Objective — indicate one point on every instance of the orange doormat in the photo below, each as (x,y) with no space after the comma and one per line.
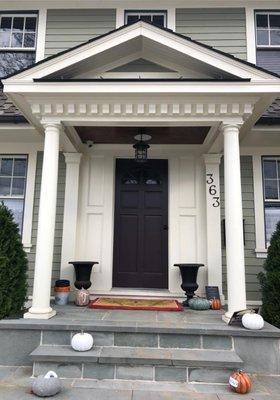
(111,303)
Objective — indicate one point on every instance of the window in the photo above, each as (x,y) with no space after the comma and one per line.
(268,29)
(17,42)
(12,184)
(271,184)
(268,40)
(155,17)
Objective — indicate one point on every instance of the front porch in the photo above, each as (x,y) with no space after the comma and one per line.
(184,353)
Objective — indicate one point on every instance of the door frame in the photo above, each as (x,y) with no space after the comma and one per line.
(102,175)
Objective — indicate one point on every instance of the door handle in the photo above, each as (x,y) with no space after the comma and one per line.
(165,227)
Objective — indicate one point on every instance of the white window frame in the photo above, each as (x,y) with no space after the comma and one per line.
(15,15)
(170,22)
(265,46)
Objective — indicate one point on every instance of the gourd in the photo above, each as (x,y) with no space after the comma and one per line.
(215,304)
(240,382)
(46,386)
(252,321)
(82,341)
(199,303)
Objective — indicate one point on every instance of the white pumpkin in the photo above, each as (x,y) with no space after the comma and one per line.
(82,341)
(252,321)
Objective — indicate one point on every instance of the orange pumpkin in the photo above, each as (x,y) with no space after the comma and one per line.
(216,304)
(240,382)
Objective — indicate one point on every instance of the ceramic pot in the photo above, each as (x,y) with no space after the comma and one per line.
(81,297)
(189,280)
(62,295)
(83,272)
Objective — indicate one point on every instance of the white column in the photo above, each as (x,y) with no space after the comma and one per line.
(213,217)
(70,214)
(46,227)
(234,222)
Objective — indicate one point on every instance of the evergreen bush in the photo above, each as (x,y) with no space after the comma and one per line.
(270,281)
(13,266)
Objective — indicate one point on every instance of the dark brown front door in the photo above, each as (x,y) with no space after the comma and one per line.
(141,231)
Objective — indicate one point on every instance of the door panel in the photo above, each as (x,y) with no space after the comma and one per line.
(141,217)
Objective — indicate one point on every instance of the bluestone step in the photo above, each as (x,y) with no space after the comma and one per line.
(138,356)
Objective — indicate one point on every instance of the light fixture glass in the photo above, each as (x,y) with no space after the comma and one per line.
(141,147)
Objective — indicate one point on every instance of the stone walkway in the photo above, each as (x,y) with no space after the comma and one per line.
(15,384)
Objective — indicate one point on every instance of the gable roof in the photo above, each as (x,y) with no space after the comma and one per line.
(146,24)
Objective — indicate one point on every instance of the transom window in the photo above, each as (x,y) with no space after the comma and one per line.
(271,183)
(18,31)
(156,17)
(13,171)
(268,29)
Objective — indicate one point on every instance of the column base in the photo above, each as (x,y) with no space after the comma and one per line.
(31,315)
(227,316)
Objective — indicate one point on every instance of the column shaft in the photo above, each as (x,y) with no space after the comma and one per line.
(234,222)
(46,227)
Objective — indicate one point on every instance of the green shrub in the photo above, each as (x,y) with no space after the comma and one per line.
(13,266)
(270,281)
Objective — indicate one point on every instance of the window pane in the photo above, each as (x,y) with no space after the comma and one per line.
(271,191)
(262,37)
(29,40)
(158,20)
(275,37)
(147,18)
(5,185)
(274,21)
(14,61)
(5,31)
(18,186)
(6,166)
(6,23)
(18,24)
(272,216)
(16,206)
(269,169)
(30,24)
(132,18)
(17,39)
(262,21)
(20,167)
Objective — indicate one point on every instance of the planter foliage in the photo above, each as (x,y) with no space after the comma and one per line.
(270,281)
(13,266)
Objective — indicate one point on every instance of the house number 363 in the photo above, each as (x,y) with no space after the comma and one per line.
(212,189)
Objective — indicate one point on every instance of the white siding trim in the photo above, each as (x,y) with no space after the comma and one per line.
(119,17)
(41,34)
(250,34)
(259,207)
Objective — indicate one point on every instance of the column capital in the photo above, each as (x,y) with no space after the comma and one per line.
(55,125)
(212,158)
(72,158)
(227,127)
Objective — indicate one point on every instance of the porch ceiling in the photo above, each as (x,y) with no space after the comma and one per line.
(160,135)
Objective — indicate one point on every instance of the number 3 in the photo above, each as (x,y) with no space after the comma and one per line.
(216,202)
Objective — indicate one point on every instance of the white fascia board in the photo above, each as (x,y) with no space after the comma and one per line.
(55,4)
(186,88)
(153,33)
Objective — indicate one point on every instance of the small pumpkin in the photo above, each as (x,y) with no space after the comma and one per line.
(216,304)
(199,303)
(82,341)
(252,321)
(240,382)
(46,386)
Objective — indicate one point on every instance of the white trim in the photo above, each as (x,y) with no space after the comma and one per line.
(251,34)
(170,17)
(259,206)
(119,17)
(24,16)
(41,34)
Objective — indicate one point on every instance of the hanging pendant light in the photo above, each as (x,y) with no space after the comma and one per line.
(141,147)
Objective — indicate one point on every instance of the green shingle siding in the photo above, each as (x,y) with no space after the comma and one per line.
(222,28)
(58,224)
(253,265)
(68,28)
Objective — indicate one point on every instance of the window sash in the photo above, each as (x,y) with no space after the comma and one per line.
(12,176)
(152,13)
(23,32)
(267,29)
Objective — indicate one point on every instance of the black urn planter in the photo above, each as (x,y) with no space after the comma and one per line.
(189,279)
(83,272)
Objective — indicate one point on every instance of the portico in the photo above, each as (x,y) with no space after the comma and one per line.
(224,96)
